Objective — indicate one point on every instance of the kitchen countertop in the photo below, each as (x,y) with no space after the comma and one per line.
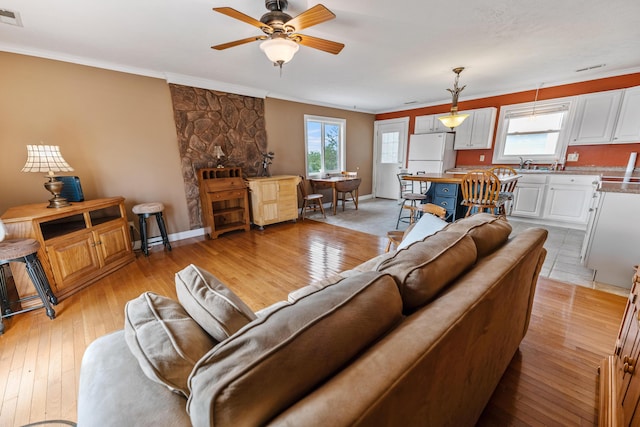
(611,177)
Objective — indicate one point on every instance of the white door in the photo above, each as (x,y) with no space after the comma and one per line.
(390,146)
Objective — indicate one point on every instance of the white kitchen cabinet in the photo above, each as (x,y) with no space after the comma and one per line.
(429,124)
(628,126)
(476,132)
(529,195)
(613,247)
(568,198)
(595,118)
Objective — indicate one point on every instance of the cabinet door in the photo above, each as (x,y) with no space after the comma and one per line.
(269,201)
(595,118)
(424,124)
(73,259)
(628,127)
(484,121)
(569,203)
(288,199)
(476,132)
(569,197)
(527,200)
(112,242)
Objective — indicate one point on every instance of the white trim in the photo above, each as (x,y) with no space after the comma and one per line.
(215,85)
(403,155)
(517,110)
(342,146)
(173,237)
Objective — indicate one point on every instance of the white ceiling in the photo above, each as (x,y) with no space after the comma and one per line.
(396,52)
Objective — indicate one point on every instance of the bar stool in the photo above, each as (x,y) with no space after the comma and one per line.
(144,211)
(24,250)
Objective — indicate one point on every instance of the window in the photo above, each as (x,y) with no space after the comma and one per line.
(537,131)
(325,145)
(389,147)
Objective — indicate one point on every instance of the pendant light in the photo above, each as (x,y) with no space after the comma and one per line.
(454,119)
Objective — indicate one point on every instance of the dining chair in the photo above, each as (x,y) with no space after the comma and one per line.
(407,195)
(507,189)
(481,192)
(350,188)
(309,201)
(395,236)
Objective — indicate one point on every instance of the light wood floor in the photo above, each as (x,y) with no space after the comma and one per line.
(552,380)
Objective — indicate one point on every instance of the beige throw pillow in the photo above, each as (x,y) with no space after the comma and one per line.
(215,307)
(425,267)
(278,359)
(163,338)
(488,232)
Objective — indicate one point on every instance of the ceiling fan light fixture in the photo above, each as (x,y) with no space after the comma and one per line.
(279,50)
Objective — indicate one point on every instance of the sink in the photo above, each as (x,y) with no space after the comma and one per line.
(539,170)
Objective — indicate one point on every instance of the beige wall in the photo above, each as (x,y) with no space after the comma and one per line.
(117,131)
(285,137)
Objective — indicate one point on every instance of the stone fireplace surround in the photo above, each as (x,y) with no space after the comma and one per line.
(206,118)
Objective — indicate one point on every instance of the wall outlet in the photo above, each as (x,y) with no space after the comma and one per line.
(572,157)
(482,157)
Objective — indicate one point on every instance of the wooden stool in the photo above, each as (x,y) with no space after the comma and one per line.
(24,250)
(145,210)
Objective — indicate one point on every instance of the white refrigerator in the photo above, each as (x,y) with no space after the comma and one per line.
(431,152)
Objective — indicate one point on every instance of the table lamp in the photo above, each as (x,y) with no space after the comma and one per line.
(47,158)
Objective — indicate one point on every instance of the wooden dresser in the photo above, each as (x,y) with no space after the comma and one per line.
(619,372)
(273,199)
(224,200)
(79,244)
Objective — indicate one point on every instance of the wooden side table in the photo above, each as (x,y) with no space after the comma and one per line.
(79,244)
(224,200)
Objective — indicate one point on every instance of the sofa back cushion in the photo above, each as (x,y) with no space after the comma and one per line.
(488,232)
(425,267)
(163,338)
(276,360)
(215,307)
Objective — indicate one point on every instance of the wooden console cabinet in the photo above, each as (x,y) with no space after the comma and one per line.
(79,244)
(224,200)
(619,381)
(273,199)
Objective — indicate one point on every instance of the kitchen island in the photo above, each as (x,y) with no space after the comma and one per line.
(612,239)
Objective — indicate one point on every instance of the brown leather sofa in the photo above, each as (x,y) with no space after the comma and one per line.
(418,337)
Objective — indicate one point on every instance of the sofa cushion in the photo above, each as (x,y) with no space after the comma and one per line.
(425,267)
(215,307)
(278,359)
(163,338)
(488,232)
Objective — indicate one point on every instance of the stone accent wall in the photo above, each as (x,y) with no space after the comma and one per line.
(206,118)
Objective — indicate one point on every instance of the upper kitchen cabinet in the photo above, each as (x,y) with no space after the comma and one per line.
(430,123)
(628,126)
(477,130)
(595,118)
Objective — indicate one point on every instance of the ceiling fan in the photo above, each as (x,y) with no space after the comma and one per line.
(281,39)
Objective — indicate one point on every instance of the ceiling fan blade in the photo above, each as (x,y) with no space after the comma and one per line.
(237,42)
(317,43)
(242,17)
(316,15)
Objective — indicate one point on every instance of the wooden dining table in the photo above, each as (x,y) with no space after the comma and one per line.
(337,184)
(443,184)
(452,178)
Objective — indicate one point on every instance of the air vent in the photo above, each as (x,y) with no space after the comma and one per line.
(10,17)
(593,67)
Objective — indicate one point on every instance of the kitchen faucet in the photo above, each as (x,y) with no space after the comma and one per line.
(525,164)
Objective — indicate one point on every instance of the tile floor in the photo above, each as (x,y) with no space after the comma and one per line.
(562,263)
(377,216)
